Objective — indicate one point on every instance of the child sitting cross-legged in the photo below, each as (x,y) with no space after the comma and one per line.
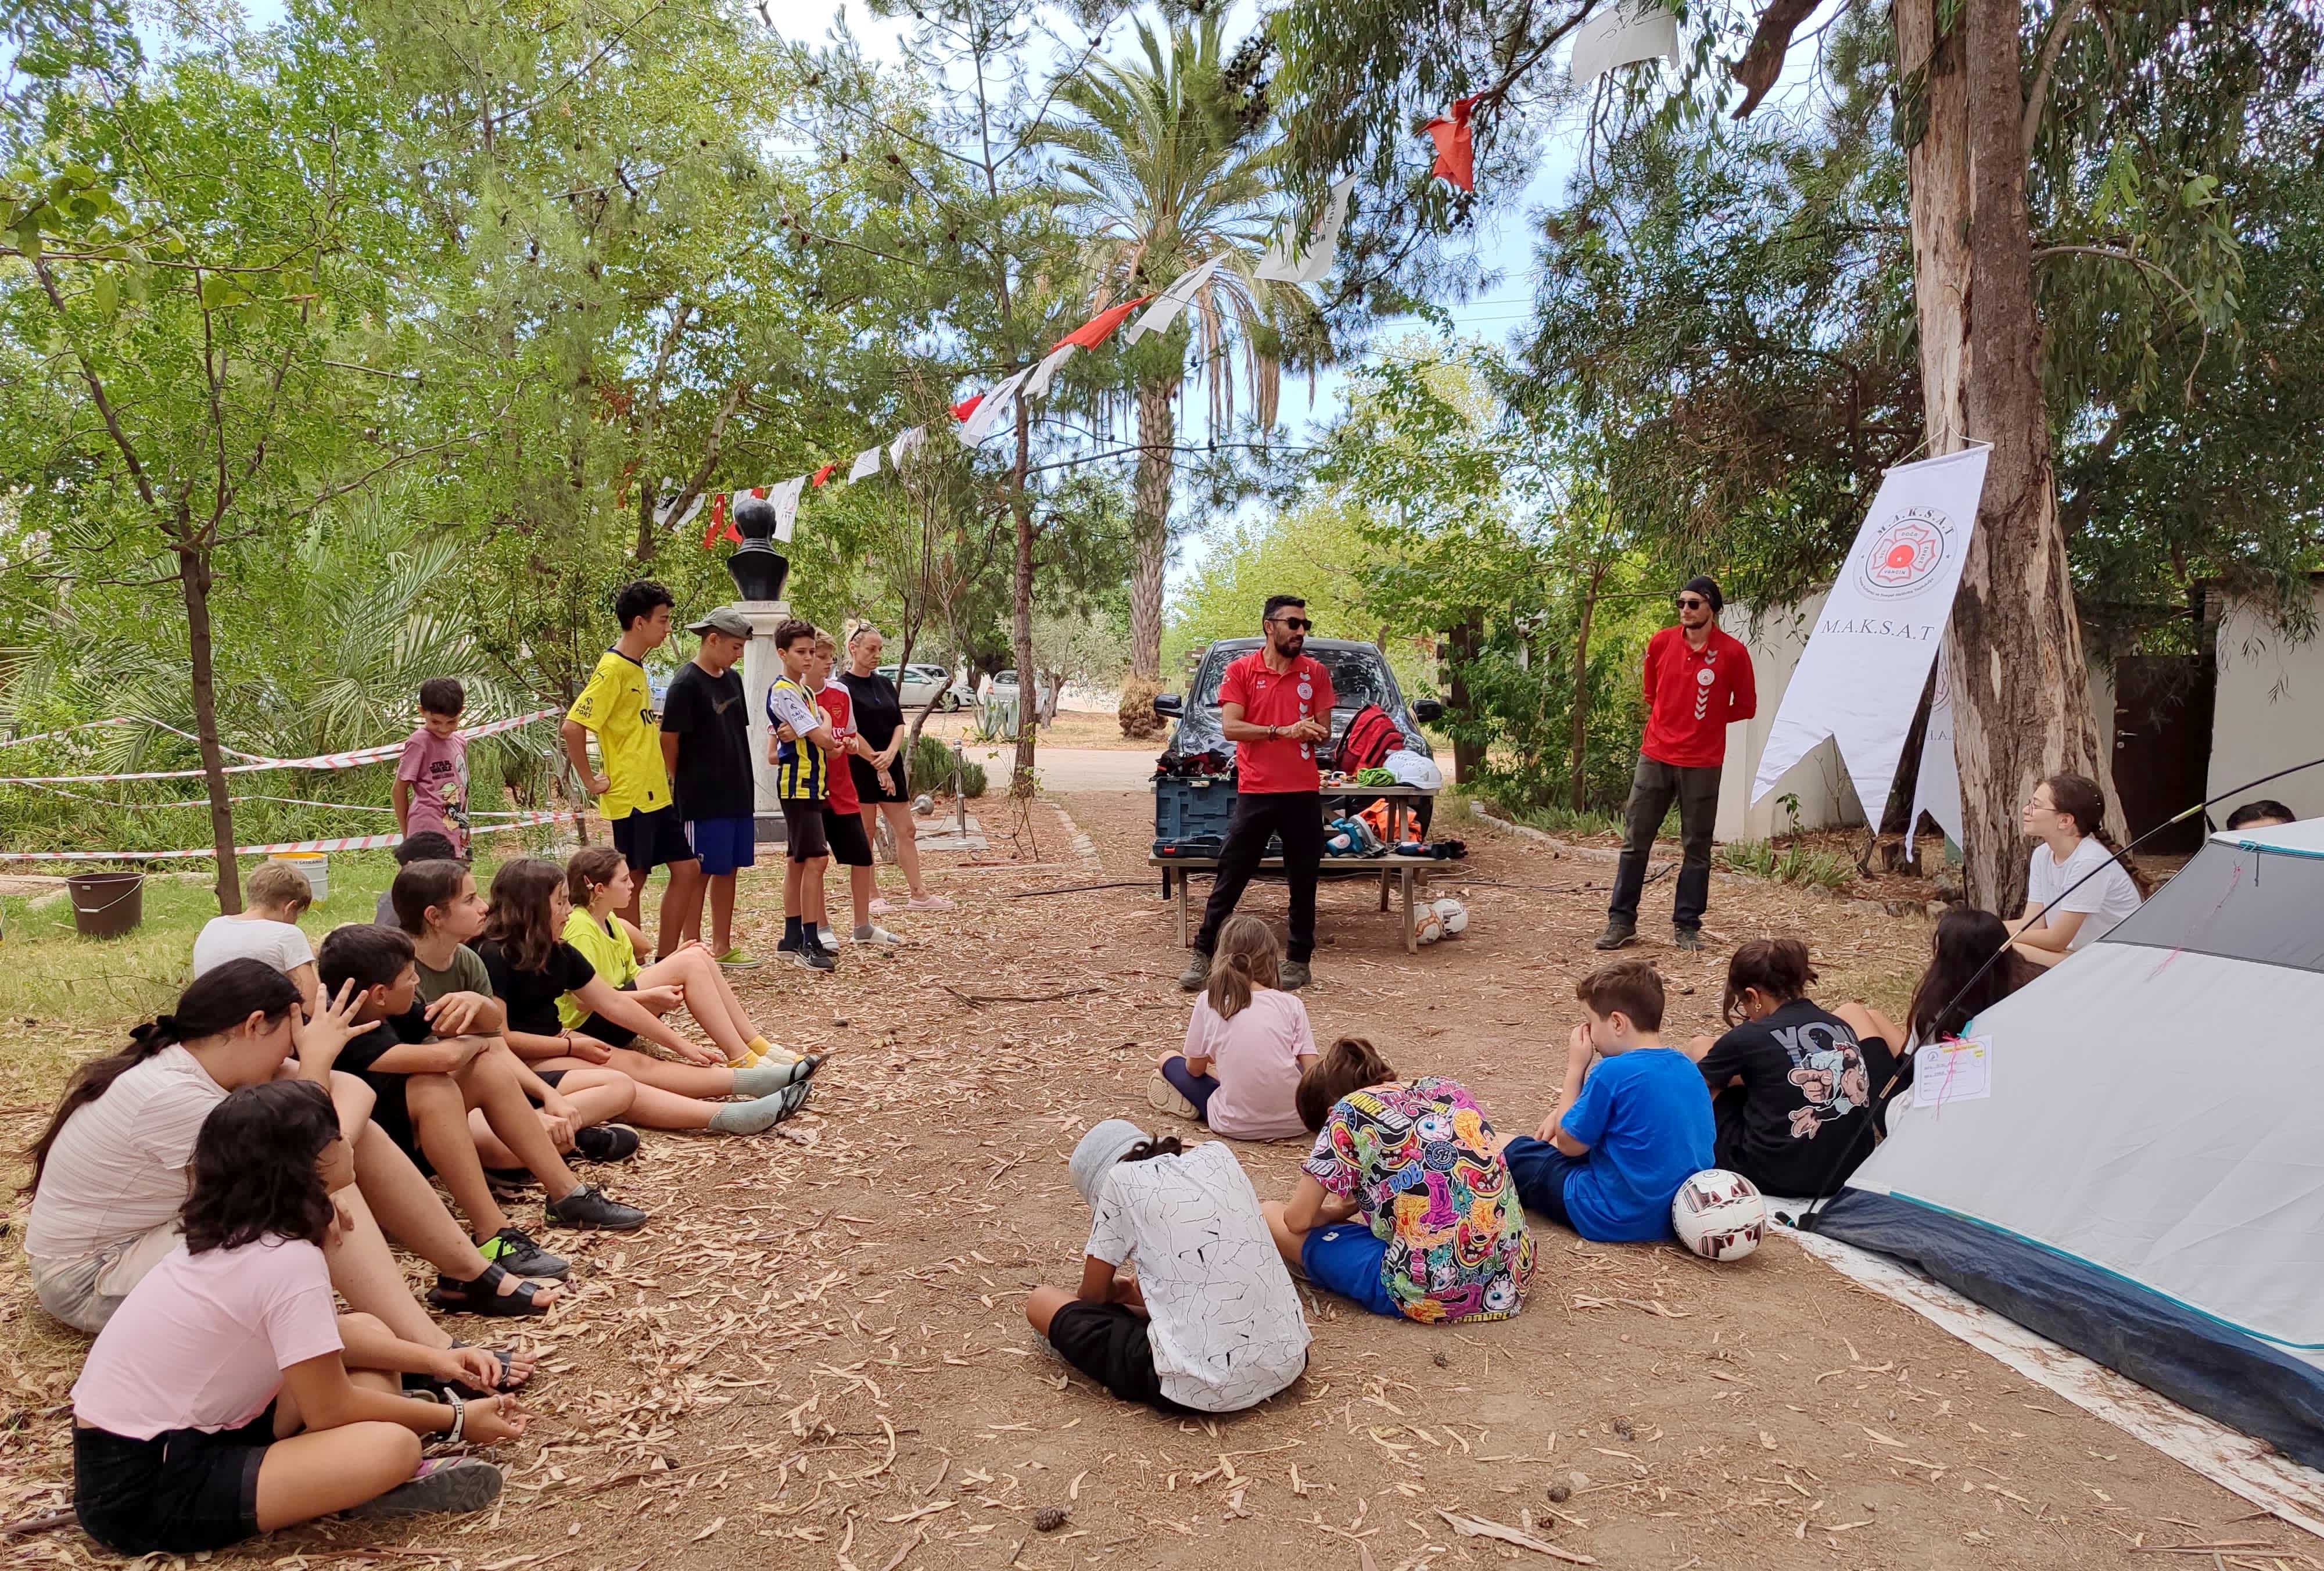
(1211,1322)
(1247,1044)
(1404,1205)
(425,1089)
(540,976)
(1622,1138)
(218,1403)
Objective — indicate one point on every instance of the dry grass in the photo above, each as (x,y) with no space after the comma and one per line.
(815,1355)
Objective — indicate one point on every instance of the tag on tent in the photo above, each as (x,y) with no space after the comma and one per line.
(1959,1071)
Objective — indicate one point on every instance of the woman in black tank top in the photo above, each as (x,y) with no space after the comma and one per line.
(879,782)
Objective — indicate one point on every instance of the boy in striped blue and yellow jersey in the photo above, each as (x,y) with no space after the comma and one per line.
(800,745)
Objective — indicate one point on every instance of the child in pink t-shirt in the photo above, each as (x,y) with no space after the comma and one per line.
(431,779)
(1247,1045)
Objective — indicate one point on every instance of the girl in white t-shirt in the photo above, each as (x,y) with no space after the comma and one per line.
(1247,1044)
(2064,912)
(217,1404)
(269,930)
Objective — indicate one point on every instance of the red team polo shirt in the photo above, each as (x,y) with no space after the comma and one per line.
(1277,699)
(1691,698)
(839,708)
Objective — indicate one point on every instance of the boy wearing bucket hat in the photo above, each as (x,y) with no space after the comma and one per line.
(1211,1322)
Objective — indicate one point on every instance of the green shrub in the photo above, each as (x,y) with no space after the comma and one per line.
(1792,864)
(931,769)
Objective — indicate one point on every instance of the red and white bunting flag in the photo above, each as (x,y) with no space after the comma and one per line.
(1101,327)
(966,407)
(821,475)
(905,444)
(1037,385)
(1171,302)
(1313,264)
(991,408)
(867,463)
(786,498)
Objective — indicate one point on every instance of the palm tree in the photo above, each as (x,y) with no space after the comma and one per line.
(1161,159)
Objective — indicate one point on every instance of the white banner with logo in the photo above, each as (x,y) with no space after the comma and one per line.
(1866,663)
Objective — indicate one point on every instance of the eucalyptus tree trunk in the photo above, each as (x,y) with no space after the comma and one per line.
(194,584)
(1577,740)
(1149,524)
(2020,687)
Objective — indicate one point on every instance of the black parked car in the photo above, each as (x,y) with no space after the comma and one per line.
(1192,802)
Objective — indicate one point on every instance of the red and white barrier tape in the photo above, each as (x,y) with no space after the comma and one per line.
(342,842)
(320,760)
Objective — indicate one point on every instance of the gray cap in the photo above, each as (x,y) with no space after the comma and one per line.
(726,620)
(1099,1150)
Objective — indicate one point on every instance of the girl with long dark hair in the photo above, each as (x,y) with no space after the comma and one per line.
(217,1404)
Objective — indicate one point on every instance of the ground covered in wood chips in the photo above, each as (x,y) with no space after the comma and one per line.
(815,1356)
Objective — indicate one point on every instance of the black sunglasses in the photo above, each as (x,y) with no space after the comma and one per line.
(1690,602)
(1296,623)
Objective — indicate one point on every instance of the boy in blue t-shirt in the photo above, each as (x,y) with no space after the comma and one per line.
(1615,1148)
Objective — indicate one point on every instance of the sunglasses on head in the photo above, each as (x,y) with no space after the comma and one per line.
(1296,623)
(1691,602)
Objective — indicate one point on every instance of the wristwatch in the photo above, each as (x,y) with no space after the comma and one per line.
(1274,732)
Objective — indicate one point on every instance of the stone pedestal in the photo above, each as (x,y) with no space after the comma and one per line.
(760,667)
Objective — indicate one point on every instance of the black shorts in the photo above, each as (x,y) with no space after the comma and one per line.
(803,826)
(392,1114)
(180,1493)
(850,846)
(867,781)
(1107,1343)
(605,1030)
(650,840)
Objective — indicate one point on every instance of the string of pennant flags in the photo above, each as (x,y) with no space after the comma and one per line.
(1629,32)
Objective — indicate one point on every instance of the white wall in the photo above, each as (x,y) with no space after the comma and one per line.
(1777,639)
(2270,710)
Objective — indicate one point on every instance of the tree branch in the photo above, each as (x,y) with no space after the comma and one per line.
(2195,310)
(2037,95)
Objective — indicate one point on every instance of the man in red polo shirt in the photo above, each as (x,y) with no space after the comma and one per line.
(1275,705)
(1698,683)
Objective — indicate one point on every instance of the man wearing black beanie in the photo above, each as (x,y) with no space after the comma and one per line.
(1698,683)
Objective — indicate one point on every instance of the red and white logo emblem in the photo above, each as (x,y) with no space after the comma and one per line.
(1904,555)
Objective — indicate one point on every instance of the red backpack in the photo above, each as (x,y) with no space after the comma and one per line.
(1371,737)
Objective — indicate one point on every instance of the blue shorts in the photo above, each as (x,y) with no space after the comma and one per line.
(1346,1259)
(1539,1169)
(723,845)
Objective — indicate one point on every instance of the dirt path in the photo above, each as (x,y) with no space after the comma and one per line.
(815,1356)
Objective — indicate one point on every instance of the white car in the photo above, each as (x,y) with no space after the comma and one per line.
(919,683)
(1005,685)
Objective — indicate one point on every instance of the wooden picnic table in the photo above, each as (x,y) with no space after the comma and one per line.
(1405,871)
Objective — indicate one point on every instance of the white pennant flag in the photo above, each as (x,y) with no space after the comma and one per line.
(1313,264)
(985,419)
(1866,663)
(1937,791)
(867,462)
(1037,385)
(1158,317)
(786,498)
(665,516)
(903,444)
(1623,34)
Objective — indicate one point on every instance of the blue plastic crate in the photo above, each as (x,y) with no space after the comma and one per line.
(1185,810)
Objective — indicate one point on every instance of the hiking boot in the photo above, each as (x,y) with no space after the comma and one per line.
(587,1206)
(1619,934)
(1686,938)
(448,1485)
(516,1253)
(605,1142)
(1294,976)
(1197,972)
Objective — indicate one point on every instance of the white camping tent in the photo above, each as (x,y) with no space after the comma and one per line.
(2146,1182)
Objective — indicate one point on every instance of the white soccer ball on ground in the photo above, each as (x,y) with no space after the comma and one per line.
(1426,925)
(1720,1215)
(1453,915)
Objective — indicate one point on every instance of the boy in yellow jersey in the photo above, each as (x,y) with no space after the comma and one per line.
(800,745)
(633,792)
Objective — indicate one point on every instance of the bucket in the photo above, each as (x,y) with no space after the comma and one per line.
(315,866)
(107,905)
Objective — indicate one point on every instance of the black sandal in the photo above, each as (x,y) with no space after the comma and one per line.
(483,1296)
(430,1386)
(507,1361)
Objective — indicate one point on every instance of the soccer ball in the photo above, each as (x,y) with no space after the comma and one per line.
(1426,925)
(1453,915)
(1720,1215)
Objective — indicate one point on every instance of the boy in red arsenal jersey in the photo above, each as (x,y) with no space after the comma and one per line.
(1698,683)
(1275,705)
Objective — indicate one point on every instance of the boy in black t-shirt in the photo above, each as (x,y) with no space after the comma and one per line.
(425,1089)
(706,746)
(1791,1082)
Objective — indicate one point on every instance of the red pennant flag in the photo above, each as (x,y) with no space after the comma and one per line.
(966,406)
(1456,154)
(718,524)
(1101,327)
(822,474)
